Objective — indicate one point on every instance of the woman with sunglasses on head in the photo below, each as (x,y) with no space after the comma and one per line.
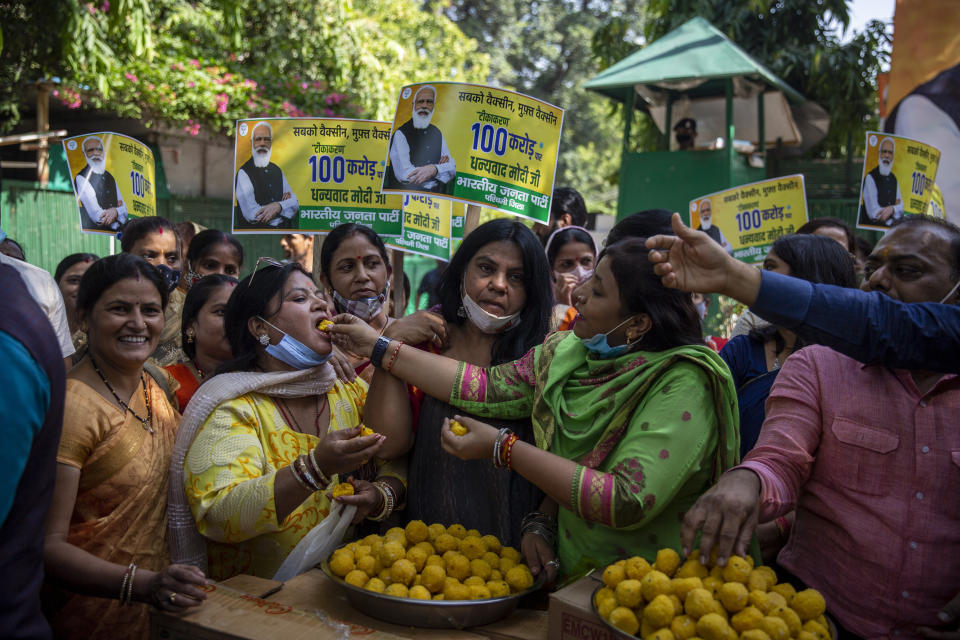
(156,240)
(572,255)
(262,441)
(495,298)
(356,271)
(202,334)
(106,531)
(633,417)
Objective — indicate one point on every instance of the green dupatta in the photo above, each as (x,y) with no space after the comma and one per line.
(581,406)
(650,431)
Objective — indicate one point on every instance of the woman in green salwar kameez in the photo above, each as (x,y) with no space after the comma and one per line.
(633,416)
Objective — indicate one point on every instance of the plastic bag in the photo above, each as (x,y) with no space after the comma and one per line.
(318,544)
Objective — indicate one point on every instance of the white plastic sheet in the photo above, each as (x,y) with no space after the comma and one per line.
(318,544)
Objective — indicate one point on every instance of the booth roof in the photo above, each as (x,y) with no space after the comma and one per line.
(696,50)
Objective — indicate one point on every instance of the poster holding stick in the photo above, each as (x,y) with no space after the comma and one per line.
(476,144)
(310,175)
(898,175)
(113,180)
(397,293)
(426,227)
(458,220)
(472,220)
(746,220)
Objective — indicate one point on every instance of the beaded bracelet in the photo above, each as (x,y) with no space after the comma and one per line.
(393,358)
(508,449)
(322,478)
(389,500)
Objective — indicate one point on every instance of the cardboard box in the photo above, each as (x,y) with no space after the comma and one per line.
(572,616)
(311,606)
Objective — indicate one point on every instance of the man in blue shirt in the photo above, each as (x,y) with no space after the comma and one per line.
(870,327)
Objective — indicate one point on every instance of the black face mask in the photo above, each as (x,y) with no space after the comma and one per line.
(170,276)
(684,138)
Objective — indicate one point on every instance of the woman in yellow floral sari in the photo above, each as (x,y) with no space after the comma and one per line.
(261,441)
(106,528)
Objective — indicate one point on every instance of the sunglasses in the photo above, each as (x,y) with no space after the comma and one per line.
(272,262)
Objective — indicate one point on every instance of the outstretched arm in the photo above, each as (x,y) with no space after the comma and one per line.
(869,327)
(434,374)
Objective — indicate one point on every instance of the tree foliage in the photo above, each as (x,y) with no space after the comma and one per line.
(202,65)
(543,49)
(799,41)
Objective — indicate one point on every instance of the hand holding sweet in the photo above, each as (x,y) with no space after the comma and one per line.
(353,334)
(477,443)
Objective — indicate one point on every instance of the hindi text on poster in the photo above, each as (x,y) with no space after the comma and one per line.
(746,220)
(310,175)
(475,144)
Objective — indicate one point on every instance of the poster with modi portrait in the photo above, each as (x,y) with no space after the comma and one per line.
(113,180)
(311,175)
(898,179)
(475,144)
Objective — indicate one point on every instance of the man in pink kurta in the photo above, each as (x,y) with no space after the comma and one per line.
(869,457)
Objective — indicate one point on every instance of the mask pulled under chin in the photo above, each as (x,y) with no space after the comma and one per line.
(485,321)
(364,308)
(171,277)
(294,353)
(599,347)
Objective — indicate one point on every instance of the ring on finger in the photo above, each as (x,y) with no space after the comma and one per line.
(553,563)
(172,597)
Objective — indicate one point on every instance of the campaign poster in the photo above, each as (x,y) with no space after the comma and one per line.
(746,220)
(458,217)
(898,174)
(936,207)
(310,175)
(113,180)
(476,144)
(426,227)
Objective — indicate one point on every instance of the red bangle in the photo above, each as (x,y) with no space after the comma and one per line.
(393,358)
(508,449)
(783,526)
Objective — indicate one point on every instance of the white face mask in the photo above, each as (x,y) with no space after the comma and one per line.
(485,321)
(581,272)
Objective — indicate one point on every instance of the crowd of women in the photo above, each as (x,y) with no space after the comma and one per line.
(207,417)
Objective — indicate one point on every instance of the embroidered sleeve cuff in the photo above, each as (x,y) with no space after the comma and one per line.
(592,495)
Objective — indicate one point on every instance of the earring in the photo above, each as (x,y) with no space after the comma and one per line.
(461,312)
(264,339)
(190,337)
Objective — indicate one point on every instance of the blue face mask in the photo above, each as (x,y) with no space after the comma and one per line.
(294,353)
(598,345)
(171,277)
